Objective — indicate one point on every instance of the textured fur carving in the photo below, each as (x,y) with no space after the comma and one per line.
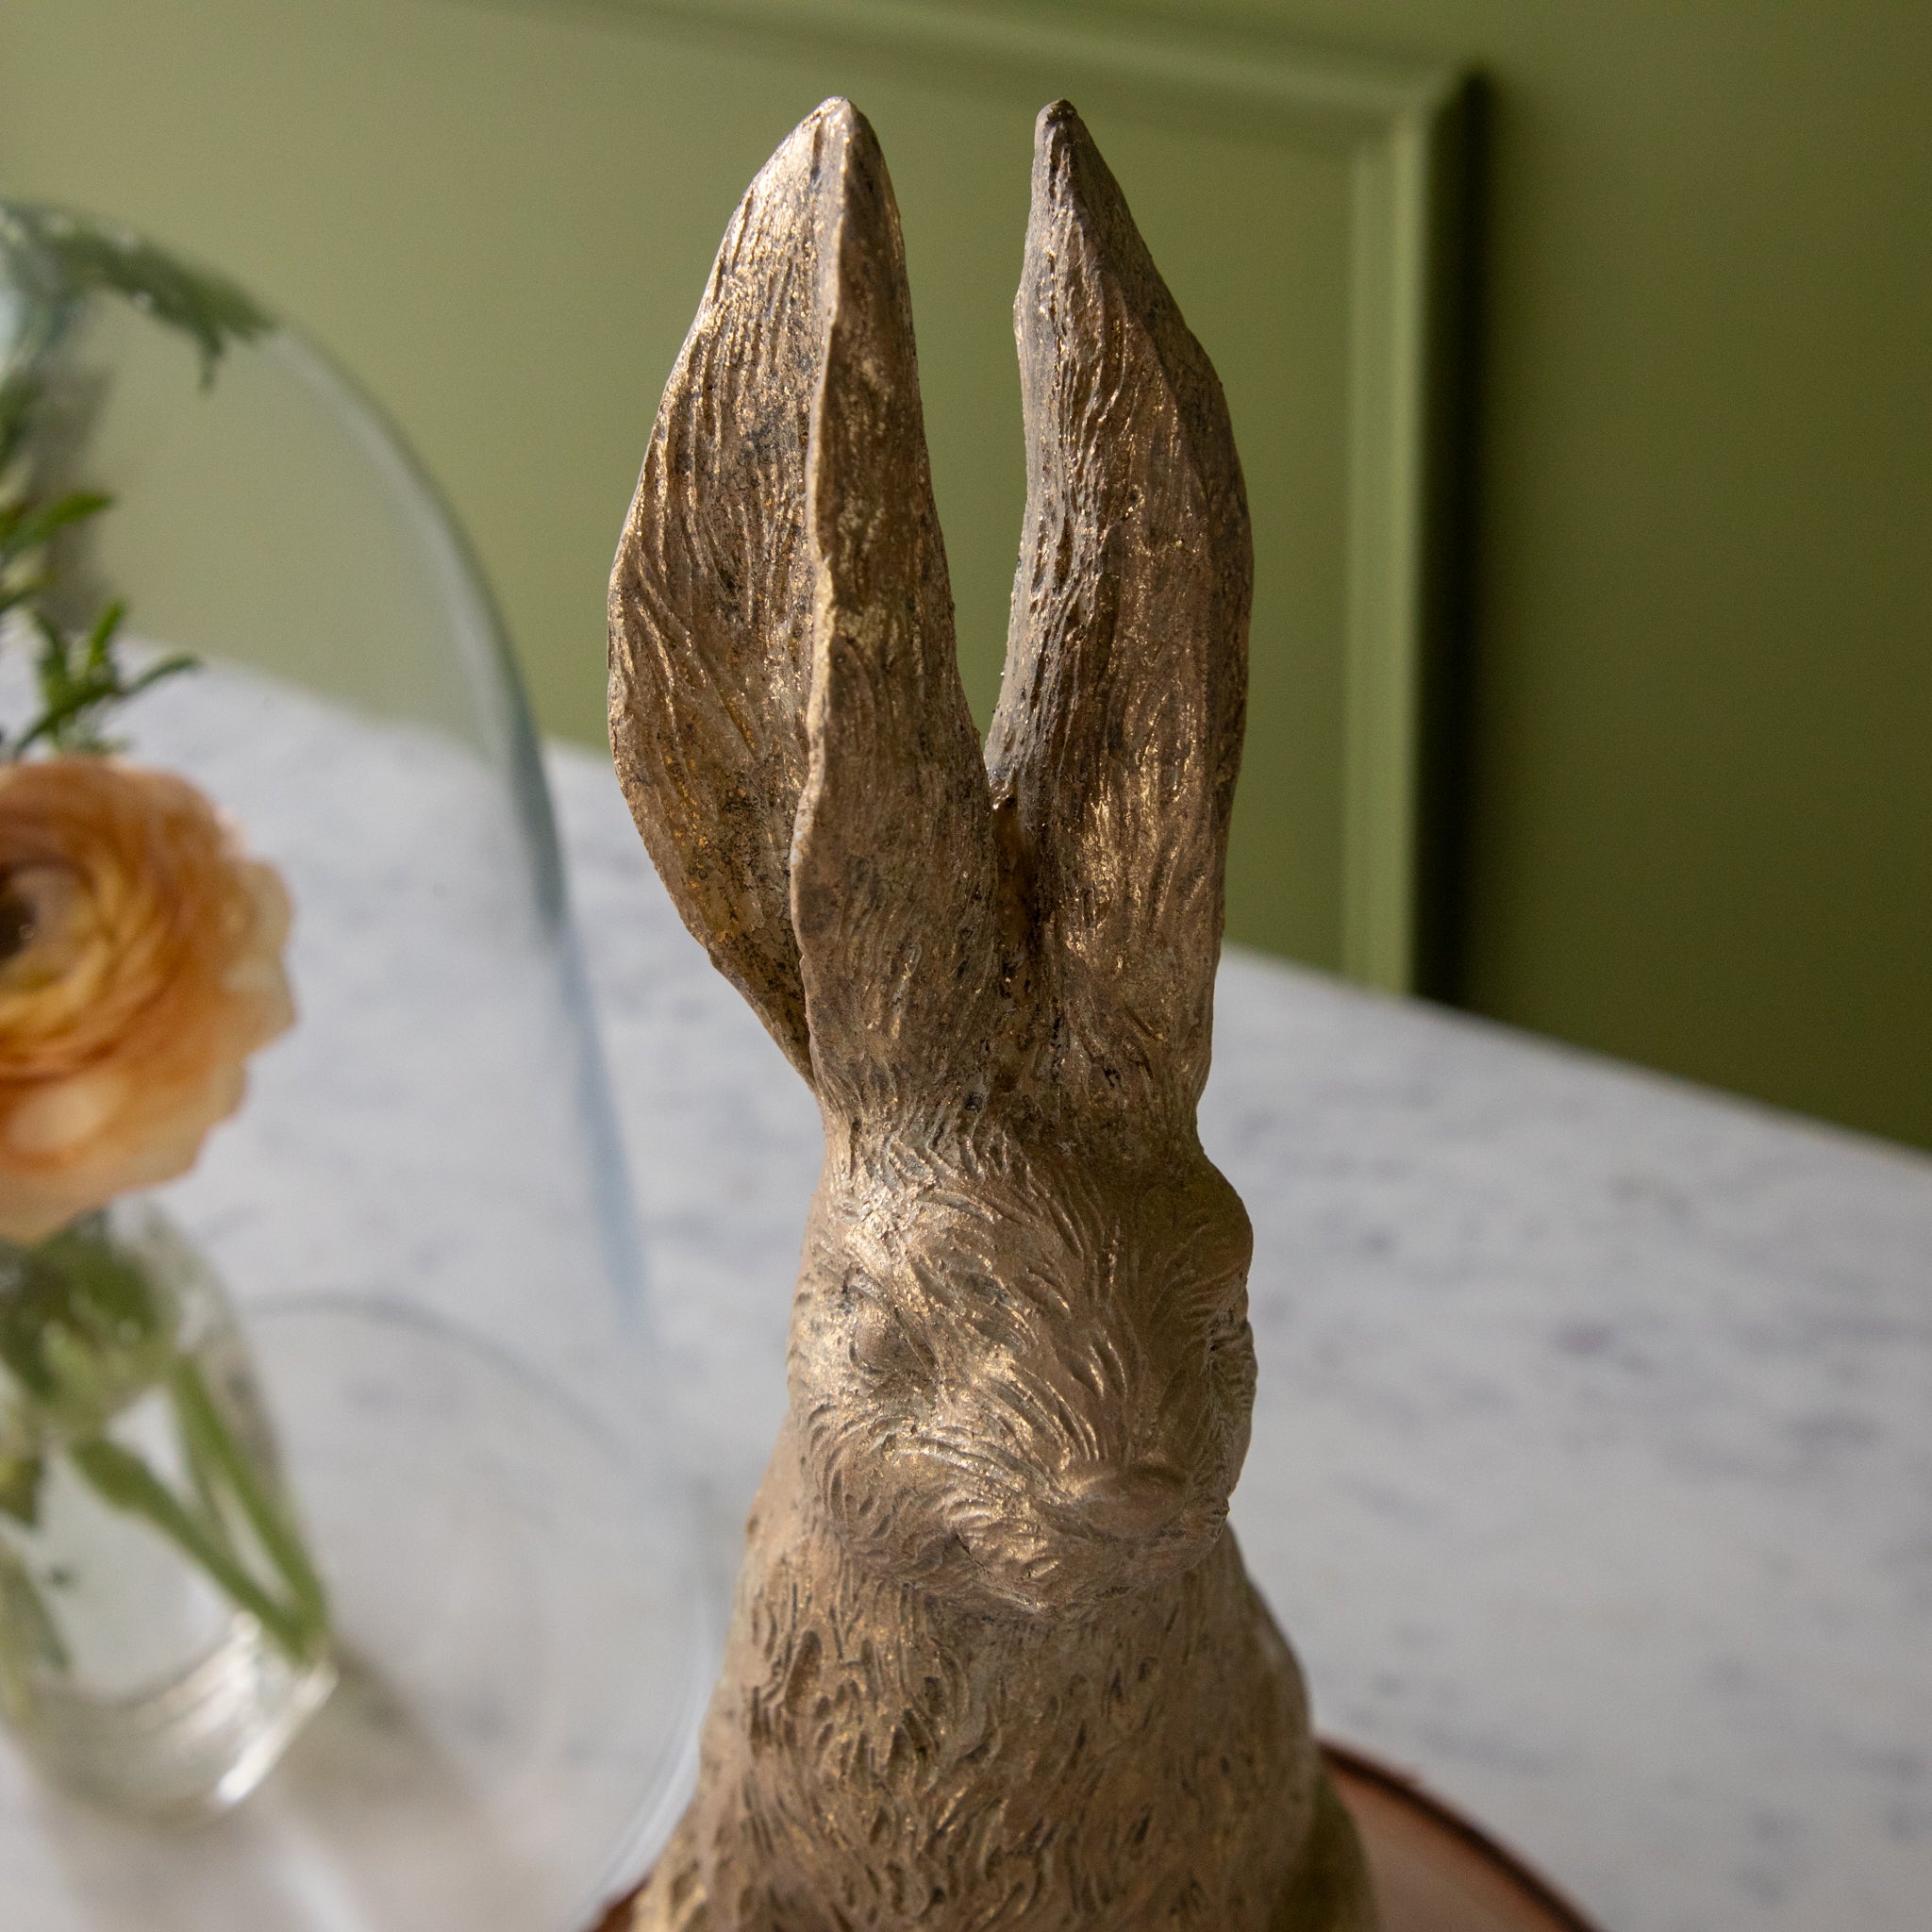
(994,1660)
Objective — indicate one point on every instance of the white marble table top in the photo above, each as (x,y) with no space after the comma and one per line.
(1592,1460)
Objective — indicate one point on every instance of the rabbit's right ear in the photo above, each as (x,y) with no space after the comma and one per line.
(711,598)
(1118,735)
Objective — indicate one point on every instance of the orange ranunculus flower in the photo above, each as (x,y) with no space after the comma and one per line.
(140,966)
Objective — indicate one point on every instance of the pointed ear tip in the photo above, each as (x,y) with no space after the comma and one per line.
(851,134)
(1058,124)
(834,120)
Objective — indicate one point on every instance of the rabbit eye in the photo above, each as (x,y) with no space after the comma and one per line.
(881,1343)
(1228,1331)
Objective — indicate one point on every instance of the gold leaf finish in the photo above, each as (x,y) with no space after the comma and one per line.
(994,1660)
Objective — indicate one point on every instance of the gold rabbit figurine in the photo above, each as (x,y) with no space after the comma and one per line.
(994,1660)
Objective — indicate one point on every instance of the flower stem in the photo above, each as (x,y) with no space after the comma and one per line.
(214,1451)
(123,1480)
(29,1638)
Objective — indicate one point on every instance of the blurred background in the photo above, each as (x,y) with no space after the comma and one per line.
(1580,358)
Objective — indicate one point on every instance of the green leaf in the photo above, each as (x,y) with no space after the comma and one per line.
(19,391)
(51,263)
(27,528)
(37,526)
(29,1639)
(82,1330)
(75,697)
(12,515)
(59,258)
(168,666)
(20,1487)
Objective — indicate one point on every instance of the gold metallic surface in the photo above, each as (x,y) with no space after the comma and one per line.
(995,1660)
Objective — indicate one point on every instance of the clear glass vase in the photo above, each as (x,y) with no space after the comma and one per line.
(163,1632)
(421,1212)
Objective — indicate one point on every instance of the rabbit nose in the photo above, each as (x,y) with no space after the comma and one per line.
(1132,1501)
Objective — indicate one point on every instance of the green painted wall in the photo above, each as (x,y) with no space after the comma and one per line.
(1699,697)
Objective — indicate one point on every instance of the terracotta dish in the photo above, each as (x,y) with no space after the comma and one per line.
(1434,1871)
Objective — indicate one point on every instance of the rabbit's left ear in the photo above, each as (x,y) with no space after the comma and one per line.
(1118,736)
(711,595)
(893,874)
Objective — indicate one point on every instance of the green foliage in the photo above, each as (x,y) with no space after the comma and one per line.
(87,1331)
(20,1487)
(81,1330)
(55,262)
(80,680)
(26,528)
(29,1642)
(19,391)
(50,264)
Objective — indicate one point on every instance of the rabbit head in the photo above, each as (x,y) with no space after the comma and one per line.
(1021,1368)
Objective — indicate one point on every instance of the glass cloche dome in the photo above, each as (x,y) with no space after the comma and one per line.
(326,1452)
